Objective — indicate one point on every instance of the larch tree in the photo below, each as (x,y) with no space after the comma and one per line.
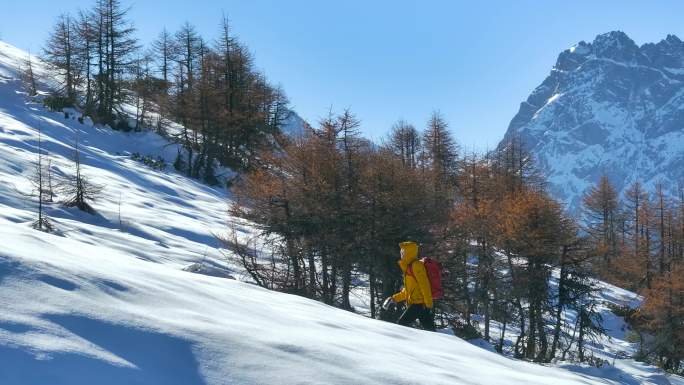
(77,188)
(638,208)
(440,150)
(164,49)
(41,188)
(60,53)
(163,53)
(663,311)
(662,209)
(115,48)
(404,141)
(29,77)
(86,35)
(530,228)
(600,214)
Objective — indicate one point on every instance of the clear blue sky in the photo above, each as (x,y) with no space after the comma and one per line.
(474,61)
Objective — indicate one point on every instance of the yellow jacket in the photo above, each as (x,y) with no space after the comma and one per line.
(416,288)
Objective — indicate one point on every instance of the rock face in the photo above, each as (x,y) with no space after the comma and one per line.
(611,107)
(294,126)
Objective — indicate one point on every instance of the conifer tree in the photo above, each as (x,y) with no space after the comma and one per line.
(77,188)
(663,311)
(404,141)
(115,48)
(60,53)
(440,150)
(600,215)
(86,34)
(661,206)
(531,228)
(41,188)
(639,213)
(164,49)
(29,77)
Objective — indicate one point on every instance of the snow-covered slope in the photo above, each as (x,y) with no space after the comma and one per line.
(608,106)
(81,314)
(109,302)
(614,348)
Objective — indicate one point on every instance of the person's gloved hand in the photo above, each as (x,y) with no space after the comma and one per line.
(430,310)
(388,302)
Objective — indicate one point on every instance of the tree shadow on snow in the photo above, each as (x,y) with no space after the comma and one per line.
(622,377)
(158,358)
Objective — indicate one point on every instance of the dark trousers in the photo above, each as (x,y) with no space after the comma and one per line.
(420,312)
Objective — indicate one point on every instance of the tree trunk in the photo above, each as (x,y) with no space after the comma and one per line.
(560,305)
(499,348)
(371,283)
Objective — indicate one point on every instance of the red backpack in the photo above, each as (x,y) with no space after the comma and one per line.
(434,274)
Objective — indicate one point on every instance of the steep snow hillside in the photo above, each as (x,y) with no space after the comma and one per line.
(608,106)
(614,348)
(107,301)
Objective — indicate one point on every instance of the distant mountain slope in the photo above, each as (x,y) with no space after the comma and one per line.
(608,106)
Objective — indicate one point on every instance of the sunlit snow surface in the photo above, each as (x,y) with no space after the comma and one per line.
(104,301)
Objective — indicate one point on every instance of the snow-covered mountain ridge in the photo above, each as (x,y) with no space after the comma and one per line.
(609,106)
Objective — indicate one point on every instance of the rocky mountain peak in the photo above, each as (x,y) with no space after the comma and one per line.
(613,41)
(608,106)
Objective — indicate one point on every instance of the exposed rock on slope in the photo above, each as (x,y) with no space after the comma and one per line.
(608,106)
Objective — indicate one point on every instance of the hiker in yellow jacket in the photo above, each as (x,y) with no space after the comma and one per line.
(416,291)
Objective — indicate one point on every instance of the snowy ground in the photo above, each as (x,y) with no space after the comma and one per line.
(108,302)
(614,348)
